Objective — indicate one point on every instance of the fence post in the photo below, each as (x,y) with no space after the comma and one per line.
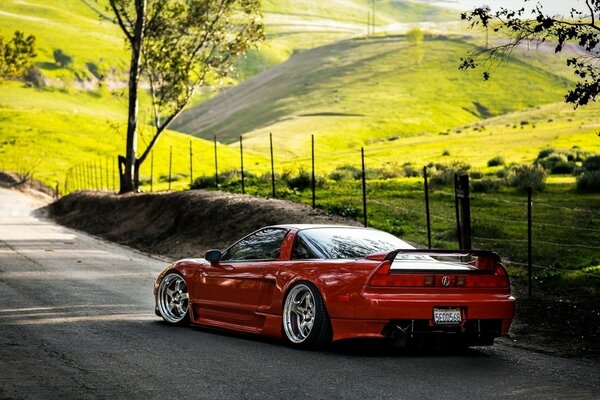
(272,165)
(107,177)
(463,210)
(427,206)
(216,163)
(312,152)
(101,174)
(191,165)
(364,186)
(113,173)
(456,208)
(242,164)
(151,170)
(529,229)
(170,165)
(90,175)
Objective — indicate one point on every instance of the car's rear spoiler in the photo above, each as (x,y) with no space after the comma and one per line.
(391,256)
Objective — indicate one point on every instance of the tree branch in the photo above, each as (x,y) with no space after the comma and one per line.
(120,21)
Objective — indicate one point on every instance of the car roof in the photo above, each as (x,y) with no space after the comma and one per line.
(302,227)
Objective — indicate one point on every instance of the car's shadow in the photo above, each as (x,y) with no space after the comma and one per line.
(355,347)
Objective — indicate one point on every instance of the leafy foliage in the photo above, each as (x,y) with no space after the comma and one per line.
(179,47)
(582,28)
(16,55)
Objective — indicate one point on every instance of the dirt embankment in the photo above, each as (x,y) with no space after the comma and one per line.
(180,224)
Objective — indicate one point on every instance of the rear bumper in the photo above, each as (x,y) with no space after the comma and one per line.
(387,314)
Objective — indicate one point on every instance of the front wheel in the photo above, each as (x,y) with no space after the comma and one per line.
(173,299)
(305,320)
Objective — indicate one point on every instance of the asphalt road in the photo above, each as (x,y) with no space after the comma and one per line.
(77,322)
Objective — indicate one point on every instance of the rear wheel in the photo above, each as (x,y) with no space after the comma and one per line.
(173,299)
(305,320)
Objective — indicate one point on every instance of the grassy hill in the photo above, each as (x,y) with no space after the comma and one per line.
(372,92)
(296,25)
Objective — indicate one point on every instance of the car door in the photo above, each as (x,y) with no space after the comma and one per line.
(230,291)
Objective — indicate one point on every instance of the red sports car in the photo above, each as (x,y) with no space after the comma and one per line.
(311,284)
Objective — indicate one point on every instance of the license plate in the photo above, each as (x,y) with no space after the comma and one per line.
(446,316)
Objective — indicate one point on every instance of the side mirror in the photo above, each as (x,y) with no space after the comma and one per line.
(213,256)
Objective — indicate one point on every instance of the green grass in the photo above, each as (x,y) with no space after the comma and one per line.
(74,26)
(47,132)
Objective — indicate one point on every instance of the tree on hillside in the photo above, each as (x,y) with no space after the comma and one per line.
(16,55)
(61,58)
(520,27)
(178,46)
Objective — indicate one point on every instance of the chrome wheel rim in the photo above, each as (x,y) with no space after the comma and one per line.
(299,313)
(173,298)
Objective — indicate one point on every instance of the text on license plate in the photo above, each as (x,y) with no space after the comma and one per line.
(446,316)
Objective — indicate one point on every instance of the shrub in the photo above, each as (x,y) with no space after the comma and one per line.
(34,77)
(563,167)
(301,181)
(345,172)
(592,163)
(525,176)
(203,182)
(410,171)
(485,185)
(545,153)
(589,182)
(476,175)
(415,36)
(496,161)
(443,175)
(61,58)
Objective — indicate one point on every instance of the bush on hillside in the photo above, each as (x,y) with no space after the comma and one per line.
(345,172)
(563,167)
(485,185)
(589,182)
(443,174)
(61,58)
(495,162)
(410,171)
(525,176)
(592,163)
(34,77)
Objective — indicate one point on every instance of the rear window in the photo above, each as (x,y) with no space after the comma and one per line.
(341,243)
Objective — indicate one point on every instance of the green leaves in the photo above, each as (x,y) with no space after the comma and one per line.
(16,55)
(582,28)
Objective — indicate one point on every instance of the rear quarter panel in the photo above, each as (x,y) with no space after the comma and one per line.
(340,282)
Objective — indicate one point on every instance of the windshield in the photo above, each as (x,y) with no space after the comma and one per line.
(350,242)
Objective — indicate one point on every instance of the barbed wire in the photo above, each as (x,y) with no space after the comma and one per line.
(582,246)
(421,213)
(551,267)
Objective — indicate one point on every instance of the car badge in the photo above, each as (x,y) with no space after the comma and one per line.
(446,280)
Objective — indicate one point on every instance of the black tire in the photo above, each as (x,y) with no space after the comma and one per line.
(305,322)
(172,300)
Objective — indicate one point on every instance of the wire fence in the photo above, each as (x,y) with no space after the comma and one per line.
(561,234)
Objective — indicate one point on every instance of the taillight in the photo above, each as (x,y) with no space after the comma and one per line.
(382,278)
